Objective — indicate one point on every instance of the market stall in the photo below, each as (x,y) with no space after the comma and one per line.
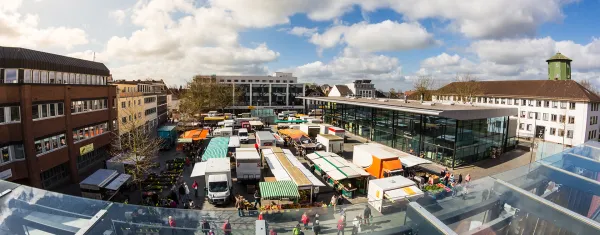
(103,184)
(285,166)
(343,175)
(387,193)
(256,125)
(216,148)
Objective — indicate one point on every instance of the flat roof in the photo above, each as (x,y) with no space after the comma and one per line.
(459,112)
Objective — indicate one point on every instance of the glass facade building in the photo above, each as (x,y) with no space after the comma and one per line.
(448,141)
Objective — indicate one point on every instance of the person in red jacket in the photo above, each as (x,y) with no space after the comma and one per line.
(172,225)
(195,186)
(260,216)
(305,220)
(340,227)
(227,228)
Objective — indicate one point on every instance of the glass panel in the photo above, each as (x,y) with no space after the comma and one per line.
(44,110)
(38,147)
(15,114)
(52,110)
(10,76)
(44,76)
(59,77)
(36,76)
(47,145)
(27,76)
(54,142)
(4,154)
(51,77)
(2,115)
(60,109)
(19,152)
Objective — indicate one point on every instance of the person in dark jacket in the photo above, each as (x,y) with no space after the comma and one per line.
(460,179)
(316,227)
(367,215)
(205,227)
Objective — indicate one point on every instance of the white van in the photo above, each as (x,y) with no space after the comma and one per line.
(243,134)
(227,131)
(248,165)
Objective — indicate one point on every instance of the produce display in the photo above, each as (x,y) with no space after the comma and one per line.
(157,183)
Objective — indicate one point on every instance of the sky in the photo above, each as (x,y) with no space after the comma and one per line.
(391,42)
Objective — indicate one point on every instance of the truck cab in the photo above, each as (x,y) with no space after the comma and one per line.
(243,134)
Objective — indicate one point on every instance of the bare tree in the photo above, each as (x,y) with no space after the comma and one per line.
(135,145)
(466,87)
(423,86)
(205,94)
(393,93)
(587,84)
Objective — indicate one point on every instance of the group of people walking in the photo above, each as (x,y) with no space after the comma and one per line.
(205,227)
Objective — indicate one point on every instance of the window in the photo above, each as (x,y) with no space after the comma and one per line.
(593,120)
(570,134)
(529,127)
(10,114)
(124,119)
(537,116)
(129,103)
(10,76)
(521,126)
(561,118)
(523,114)
(553,117)
(51,77)
(523,102)
(59,77)
(123,104)
(228,80)
(571,120)
(150,111)
(563,105)
(36,76)
(40,111)
(27,76)
(236,80)
(530,102)
(592,134)
(509,101)
(561,132)
(49,144)
(139,102)
(516,101)
(546,104)
(572,105)
(11,153)
(44,76)
(552,131)
(545,117)
(538,103)
(270,81)
(594,107)
(531,115)
(554,104)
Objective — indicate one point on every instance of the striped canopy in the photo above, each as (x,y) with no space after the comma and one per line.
(278,190)
(217,148)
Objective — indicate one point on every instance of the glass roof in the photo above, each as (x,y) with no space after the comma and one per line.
(557,193)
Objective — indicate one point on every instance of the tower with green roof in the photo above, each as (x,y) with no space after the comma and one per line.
(559,67)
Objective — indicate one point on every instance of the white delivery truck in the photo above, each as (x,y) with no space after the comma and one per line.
(226,131)
(265,138)
(216,175)
(388,193)
(332,143)
(228,123)
(337,131)
(248,165)
(243,134)
(311,130)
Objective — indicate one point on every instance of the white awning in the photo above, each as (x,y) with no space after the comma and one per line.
(336,175)
(118,182)
(359,170)
(314,180)
(312,156)
(324,165)
(276,168)
(337,161)
(410,161)
(199,169)
(401,193)
(349,172)
(255,123)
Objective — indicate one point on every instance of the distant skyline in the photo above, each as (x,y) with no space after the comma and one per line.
(388,41)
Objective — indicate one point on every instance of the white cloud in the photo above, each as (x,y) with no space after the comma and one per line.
(303,31)
(384,36)
(117,15)
(24,31)
(350,65)
(441,60)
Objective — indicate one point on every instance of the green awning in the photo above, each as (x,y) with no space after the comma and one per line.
(279,190)
(290,121)
(217,148)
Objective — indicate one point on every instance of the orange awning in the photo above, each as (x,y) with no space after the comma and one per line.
(392,165)
(292,133)
(195,134)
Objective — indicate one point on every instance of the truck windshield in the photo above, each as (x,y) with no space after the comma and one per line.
(217,187)
(243,134)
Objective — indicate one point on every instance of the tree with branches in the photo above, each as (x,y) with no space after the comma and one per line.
(423,86)
(466,87)
(134,144)
(205,94)
(587,84)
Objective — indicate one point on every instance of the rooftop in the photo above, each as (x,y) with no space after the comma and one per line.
(541,89)
(558,56)
(460,112)
(15,57)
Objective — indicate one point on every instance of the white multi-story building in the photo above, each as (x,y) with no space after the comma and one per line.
(560,110)
(277,92)
(359,88)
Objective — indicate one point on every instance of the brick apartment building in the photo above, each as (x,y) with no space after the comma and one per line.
(56,117)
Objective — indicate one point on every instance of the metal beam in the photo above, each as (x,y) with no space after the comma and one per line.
(546,210)
(570,179)
(424,222)
(452,217)
(492,226)
(583,162)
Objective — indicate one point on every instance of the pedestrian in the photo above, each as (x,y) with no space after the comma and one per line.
(172,225)
(367,215)
(195,186)
(467,180)
(211,232)
(272,232)
(460,178)
(181,192)
(451,178)
(260,216)
(305,220)
(187,191)
(340,227)
(316,227)
(205,227)
(333,202)
(355,225)
(227,228)
(239,204)
(296,230)
(257,199)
